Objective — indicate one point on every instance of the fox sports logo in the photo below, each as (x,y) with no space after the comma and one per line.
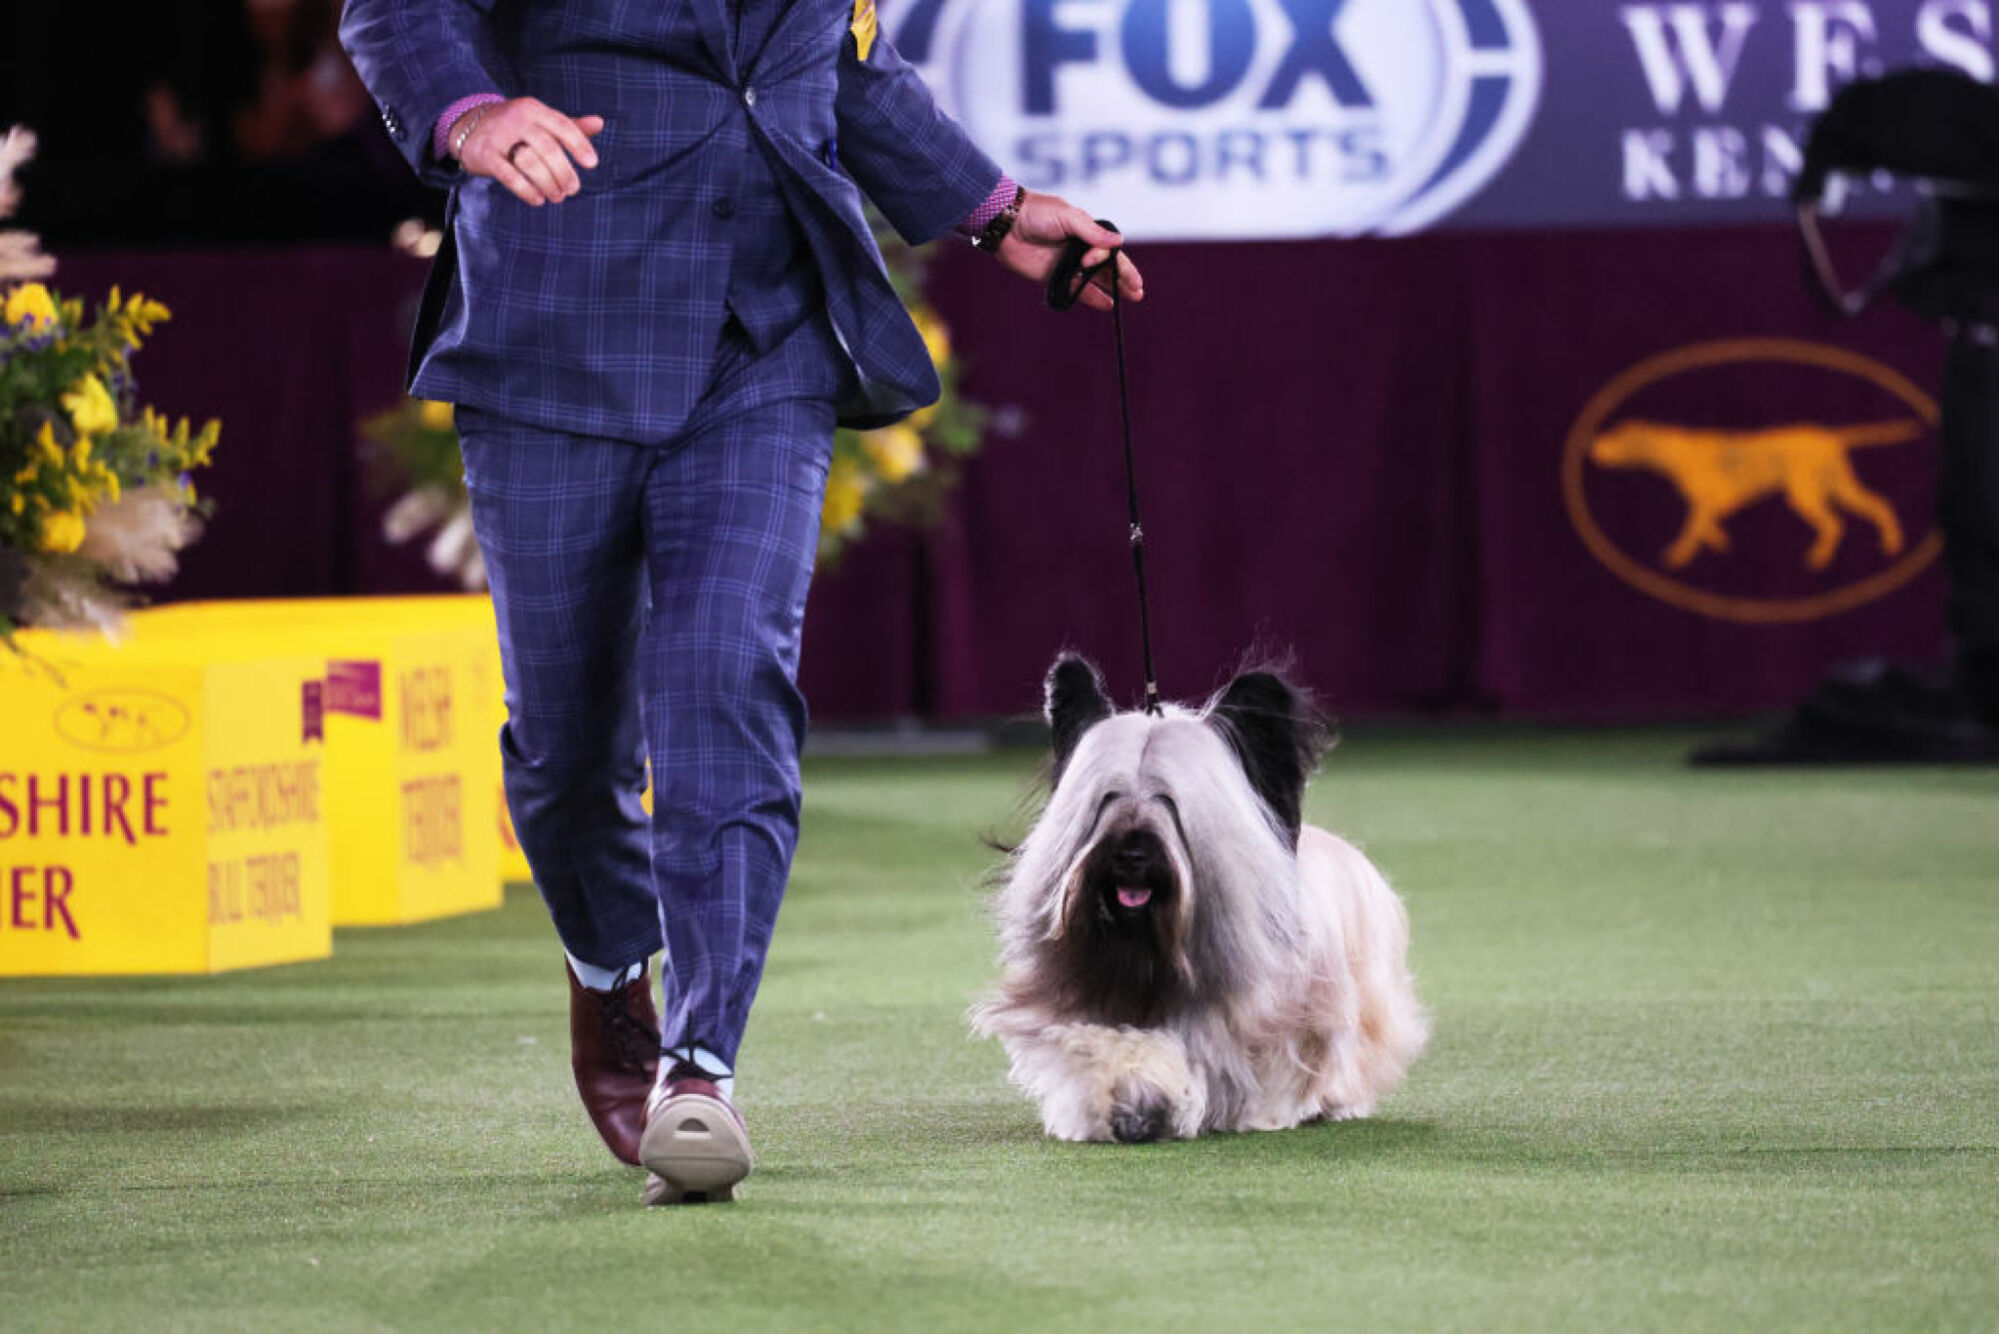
(1194,119)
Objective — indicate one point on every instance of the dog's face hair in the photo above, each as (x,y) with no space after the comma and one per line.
(1115,953)
(1148,817)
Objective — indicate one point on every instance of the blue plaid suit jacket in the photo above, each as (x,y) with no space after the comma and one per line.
(600,315)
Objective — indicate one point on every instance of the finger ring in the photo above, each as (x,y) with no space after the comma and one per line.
(515,149)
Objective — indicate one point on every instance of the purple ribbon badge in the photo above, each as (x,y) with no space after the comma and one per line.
(312,711)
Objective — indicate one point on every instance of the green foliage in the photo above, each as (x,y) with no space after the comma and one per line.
(74,441)
(414,446)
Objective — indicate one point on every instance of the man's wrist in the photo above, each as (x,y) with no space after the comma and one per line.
(999,224)
(454,125)
(996,201)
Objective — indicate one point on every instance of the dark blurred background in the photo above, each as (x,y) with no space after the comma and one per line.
(198,122)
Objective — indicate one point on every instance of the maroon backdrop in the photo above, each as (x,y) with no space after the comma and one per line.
(1358,451)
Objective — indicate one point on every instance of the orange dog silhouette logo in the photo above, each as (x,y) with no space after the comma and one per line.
(1719,472)
(1767,524)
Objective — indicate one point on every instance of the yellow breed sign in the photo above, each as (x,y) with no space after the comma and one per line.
(162,810)
(412,776)
(513,861)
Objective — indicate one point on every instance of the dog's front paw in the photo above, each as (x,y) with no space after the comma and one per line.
(1144,1113)
(1141,1114)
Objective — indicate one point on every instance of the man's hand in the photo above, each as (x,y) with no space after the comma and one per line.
(527,146)
(1044,227)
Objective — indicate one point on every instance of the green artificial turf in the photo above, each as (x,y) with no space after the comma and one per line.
(1712,1050)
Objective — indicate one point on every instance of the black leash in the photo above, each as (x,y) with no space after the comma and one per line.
(1065,288)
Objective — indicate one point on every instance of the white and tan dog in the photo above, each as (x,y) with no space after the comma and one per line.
(1179,953)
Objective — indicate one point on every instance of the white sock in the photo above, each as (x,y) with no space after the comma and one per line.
(707,1062)
(603,979)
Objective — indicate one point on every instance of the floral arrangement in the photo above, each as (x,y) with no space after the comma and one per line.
(415,446)
(899,473)
(95,493)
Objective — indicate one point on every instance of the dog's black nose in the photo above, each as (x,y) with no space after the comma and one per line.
(1130,861)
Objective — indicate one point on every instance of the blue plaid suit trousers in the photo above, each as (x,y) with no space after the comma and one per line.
(650,602)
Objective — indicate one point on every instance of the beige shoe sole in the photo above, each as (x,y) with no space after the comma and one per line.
(657,1192)
(696,1150)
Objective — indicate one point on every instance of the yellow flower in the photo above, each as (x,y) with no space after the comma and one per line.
(147,311)
(896,451)
(204,444)
(31,304)
(434,416)
(17,502)
(846,492)
(936,338)
(91,409)
(62,532)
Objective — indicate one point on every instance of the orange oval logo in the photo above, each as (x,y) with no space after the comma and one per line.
(1806,513)
(122,721)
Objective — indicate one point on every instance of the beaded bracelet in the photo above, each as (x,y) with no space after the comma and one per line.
(994,232)
(471,123)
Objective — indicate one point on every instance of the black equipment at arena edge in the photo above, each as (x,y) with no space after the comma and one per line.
(1065,288)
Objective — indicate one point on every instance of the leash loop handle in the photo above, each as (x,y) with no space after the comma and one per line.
(1065,287)
(1068,279)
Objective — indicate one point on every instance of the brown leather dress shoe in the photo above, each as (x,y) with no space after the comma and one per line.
(614,1051)
(696,1146)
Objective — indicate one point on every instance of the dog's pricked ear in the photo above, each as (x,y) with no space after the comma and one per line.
(1279,736)
(1076,702)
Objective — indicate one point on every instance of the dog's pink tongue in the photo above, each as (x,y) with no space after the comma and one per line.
(1134,896)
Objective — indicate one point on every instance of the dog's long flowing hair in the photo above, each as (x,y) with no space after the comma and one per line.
(1179,952)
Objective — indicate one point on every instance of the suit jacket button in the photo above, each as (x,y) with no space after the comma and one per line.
(749,97)
(725,208)
(394,124)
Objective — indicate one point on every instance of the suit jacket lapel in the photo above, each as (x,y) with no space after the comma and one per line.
(718,29)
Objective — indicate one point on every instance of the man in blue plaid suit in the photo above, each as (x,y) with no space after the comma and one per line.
(656,298)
